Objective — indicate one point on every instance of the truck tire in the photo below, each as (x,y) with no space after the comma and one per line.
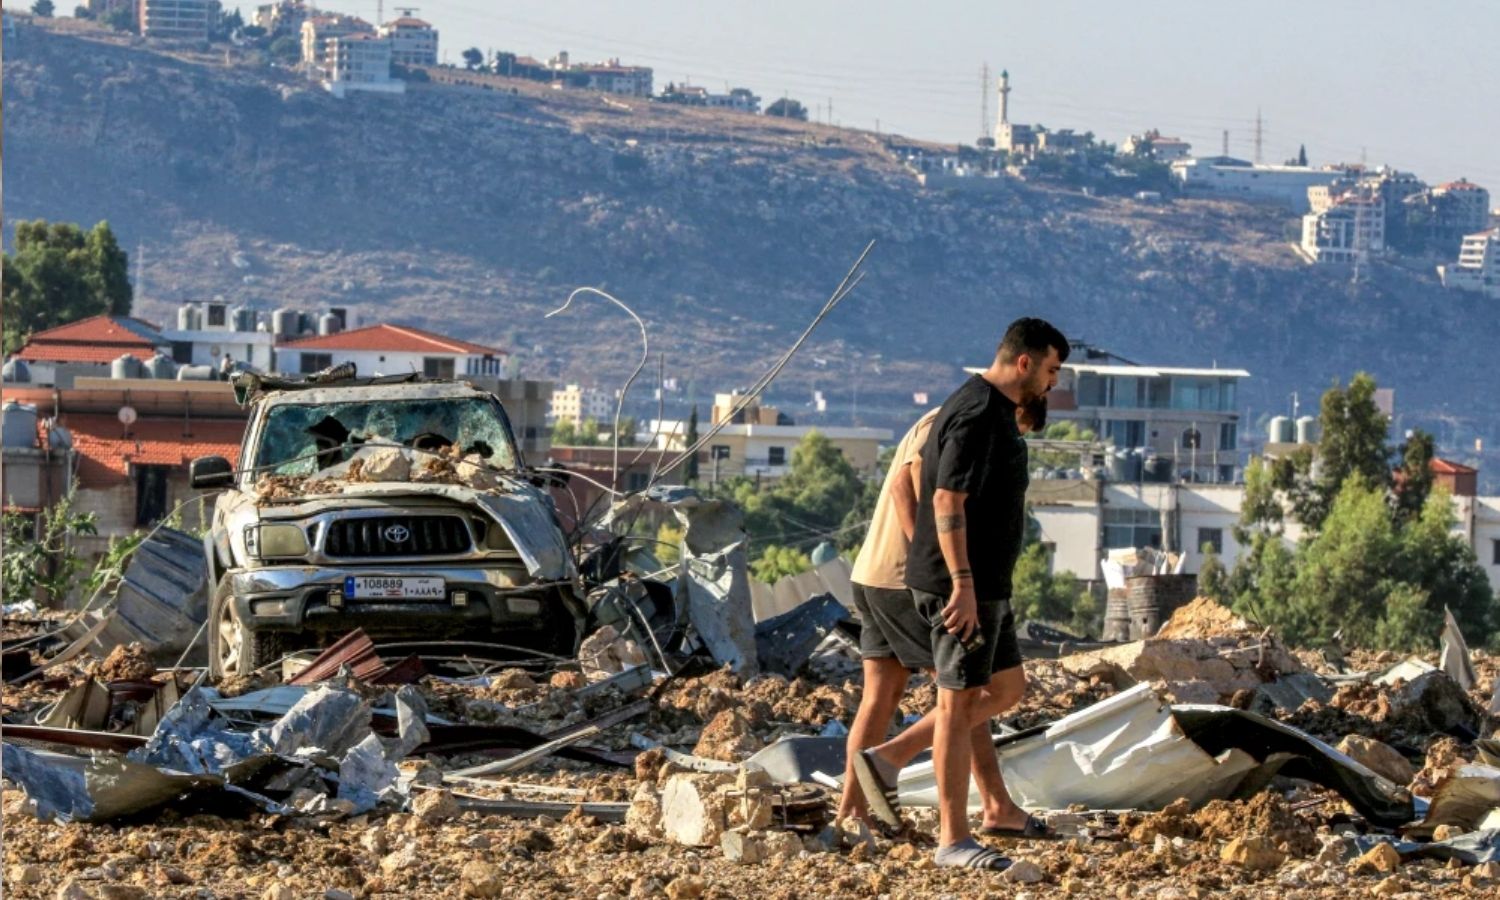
(233,649)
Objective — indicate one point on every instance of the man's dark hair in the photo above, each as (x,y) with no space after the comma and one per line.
(1031,336)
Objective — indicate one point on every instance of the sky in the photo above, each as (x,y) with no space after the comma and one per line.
(1384,81)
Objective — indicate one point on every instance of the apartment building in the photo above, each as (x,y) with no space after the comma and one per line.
(1478,266)
(413,41)
(175,19)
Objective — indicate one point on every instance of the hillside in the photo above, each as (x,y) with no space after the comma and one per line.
(474,211)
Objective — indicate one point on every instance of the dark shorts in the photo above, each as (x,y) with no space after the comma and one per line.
(891,627)
(957,668)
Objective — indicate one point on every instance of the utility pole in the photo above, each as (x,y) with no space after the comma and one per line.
(140,274)
(830,112)
(1259,134)
(1225,151)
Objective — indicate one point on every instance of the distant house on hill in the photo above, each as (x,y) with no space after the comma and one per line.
(175,19)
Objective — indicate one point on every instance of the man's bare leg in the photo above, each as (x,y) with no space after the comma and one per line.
(1002,693)
(885,682)
(952,749)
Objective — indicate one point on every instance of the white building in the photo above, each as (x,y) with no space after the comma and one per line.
(180,19)
(576,403)
(1157,146)
(613,78)
(413,41)
(1230,177)
(1343,227)
(360,62)
(1478,266)
(1186,419)
(390,350)
(208,332)
(317,31)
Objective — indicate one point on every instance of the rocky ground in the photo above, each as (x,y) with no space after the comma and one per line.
(1280,842)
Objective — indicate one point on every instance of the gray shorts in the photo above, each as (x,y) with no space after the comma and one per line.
(890,626)
(960,668)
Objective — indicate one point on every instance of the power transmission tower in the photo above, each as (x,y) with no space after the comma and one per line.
(1226,143)
(984,100)
(1259,135)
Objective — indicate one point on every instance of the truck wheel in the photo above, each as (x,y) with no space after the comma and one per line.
(234,649)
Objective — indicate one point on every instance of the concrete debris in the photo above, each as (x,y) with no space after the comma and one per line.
(694,812)
(606,652)
(1381,858)
(1380,758)
(784,643)
(728,737)
(1255,852)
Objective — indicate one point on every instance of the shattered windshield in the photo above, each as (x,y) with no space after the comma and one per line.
(304,439)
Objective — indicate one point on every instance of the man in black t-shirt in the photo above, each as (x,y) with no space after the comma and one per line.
(969,531)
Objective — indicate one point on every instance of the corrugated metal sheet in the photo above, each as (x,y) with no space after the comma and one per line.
(163,599)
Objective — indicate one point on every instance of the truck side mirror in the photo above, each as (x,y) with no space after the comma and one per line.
(209,472)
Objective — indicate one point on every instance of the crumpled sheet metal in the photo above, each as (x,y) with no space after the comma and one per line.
(714,582)
(1463,800)
(1125,752)
(195,749)
(1470,848)
(1134,751)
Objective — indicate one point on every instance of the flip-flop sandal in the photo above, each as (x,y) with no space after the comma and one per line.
(881,797)
(1034,830)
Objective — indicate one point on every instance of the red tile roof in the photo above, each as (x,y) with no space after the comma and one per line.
(409,22)
(95,339)
(1448,467)
(1460,185)
(392,338)
(106,448)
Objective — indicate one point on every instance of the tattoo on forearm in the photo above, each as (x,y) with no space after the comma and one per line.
(950,523)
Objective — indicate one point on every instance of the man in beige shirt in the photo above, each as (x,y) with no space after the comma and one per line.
(895,639)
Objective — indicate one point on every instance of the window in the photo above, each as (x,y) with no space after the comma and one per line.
(150,494)
(776,456)
(1131,528)
(437,367)
(1125,433)
(1229,436)
(1192,439)
(315,362)
(720,451)
(1212,537)
(215,314)
(182,352)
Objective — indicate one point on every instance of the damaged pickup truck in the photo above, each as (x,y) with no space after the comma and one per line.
(396,505)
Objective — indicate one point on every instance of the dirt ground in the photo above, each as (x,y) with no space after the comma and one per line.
(1278,843)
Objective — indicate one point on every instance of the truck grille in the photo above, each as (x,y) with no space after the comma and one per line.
(397,536)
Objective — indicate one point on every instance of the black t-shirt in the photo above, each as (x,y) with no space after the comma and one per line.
(974,448)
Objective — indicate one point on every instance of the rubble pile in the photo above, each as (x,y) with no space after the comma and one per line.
(626,780)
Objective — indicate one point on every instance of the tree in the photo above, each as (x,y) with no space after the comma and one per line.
(787,108)
(1413,481)
(810,503)
(1353,445)
(691,475)
(1302,155)
(564,434)
(776,562)
(58,275)
(286,49)
(82,12)
(473,58)
(1038,594)
(1213,578)
(42,9)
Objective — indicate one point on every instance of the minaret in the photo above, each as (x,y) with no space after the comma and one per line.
(1004,96)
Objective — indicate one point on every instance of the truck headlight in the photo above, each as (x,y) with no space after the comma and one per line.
(275,541)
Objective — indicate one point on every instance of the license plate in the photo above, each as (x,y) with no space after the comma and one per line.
(380,587)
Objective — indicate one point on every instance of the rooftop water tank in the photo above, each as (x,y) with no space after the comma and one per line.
(18,424)
(1307,430)
(243,318)
(16,371)
(286,322)
(1157,470)
(189,318)
(1125,466)
(195,373)
(328,323)
(161,366)
(126,366)
(1281,430)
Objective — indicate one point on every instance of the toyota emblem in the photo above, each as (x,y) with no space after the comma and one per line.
(396,534)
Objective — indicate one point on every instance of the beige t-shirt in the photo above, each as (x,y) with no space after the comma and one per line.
(882,560)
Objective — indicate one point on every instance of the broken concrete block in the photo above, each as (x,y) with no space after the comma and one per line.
(1389,887)
(1024,871)
(433,807)
(742,846)
(1381,858)
(1255,852)
(481,879)
(1336,850)
(386,464)
(782,845)
(751,809)
(72,889)
(692,810)
(1435,699)
(401,860)
(1378,757)
(854,833)
(727,737)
